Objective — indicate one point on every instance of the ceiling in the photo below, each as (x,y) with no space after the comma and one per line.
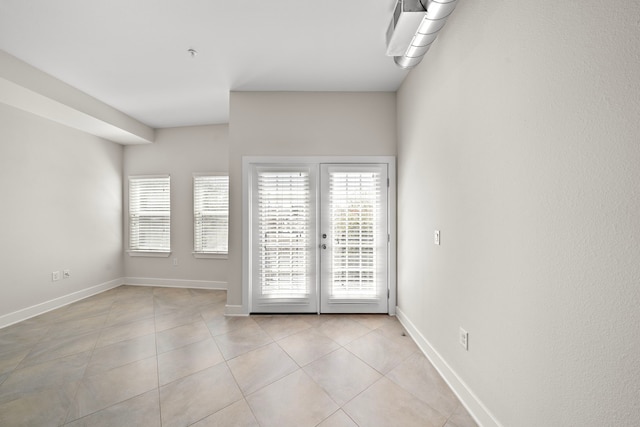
(132,54)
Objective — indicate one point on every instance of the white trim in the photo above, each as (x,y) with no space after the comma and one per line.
(209,255)
(44,307)
(157,254)
(234,310)
(247,161)
(471,402)
(162,175)
(175,283)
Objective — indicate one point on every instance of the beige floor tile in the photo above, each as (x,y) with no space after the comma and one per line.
(100,391)
(54,349)
(126,292)
(309,345)
(261,367)
(22,335)
(396,333)
(9,359)
(175,318)
(142,410)
(461,418)
(200,297)
(379,352)
(224,324)
(92,306)
(342,375)
(420,378)
(281,326)
(197,396)
(343,330)
(373,321)
(135,303)
(236,415)
(166,306)
(76,327)
(127,314)
(295,400)
(45,319)
(169,299)
(47,407)
(241,341)
(338,419)
(315,320)
(187,360)
(121,353)
(125,332)
(50,374)
(182,335)
(386,404)
(99,347)
(212,311)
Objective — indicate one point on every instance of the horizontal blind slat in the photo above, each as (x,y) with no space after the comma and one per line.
(211,213)
(149,214)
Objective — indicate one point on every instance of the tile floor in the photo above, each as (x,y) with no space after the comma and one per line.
(143,356)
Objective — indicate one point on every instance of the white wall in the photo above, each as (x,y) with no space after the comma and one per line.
(60,192)
(519,140)
(179,152)
(300,124)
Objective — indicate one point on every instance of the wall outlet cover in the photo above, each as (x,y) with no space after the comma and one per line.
(464,339)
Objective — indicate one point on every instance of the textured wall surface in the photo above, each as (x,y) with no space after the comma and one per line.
(301,124)
(519,139)
(61,198)
(179,152)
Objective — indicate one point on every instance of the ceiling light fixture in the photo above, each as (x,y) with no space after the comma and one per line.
(407,44)
(192,52)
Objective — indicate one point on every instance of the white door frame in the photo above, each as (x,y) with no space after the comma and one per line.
(247,164)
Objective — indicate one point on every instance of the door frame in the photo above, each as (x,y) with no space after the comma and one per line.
(247,191)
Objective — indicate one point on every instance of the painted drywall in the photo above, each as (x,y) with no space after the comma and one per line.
(29,89)
(60,192)
(179,152)
(518,140)
(300,124)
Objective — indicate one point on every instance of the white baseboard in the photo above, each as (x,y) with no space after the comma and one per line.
(175,283)
(35,310)
(474,406)
(234,310)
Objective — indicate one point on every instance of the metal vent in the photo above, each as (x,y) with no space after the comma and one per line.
(430,23)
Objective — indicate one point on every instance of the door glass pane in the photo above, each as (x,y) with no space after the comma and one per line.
(284,221)
(354,213)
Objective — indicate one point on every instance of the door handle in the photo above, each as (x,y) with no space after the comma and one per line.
(324,246)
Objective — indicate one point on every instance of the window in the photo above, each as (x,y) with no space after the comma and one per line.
(210,214)
(149,215)
(284,232)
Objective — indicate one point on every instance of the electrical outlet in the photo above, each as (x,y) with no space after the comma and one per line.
(436,237)
(464,339)
(66,274)
(55,276)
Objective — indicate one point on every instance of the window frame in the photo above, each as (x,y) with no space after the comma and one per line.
(208,254)
(146,252)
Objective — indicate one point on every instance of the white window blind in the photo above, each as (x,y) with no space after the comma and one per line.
(211,214)
(355,228)
(284,221)
(149,214)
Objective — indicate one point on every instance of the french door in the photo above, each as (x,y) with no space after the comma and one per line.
(319,238)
